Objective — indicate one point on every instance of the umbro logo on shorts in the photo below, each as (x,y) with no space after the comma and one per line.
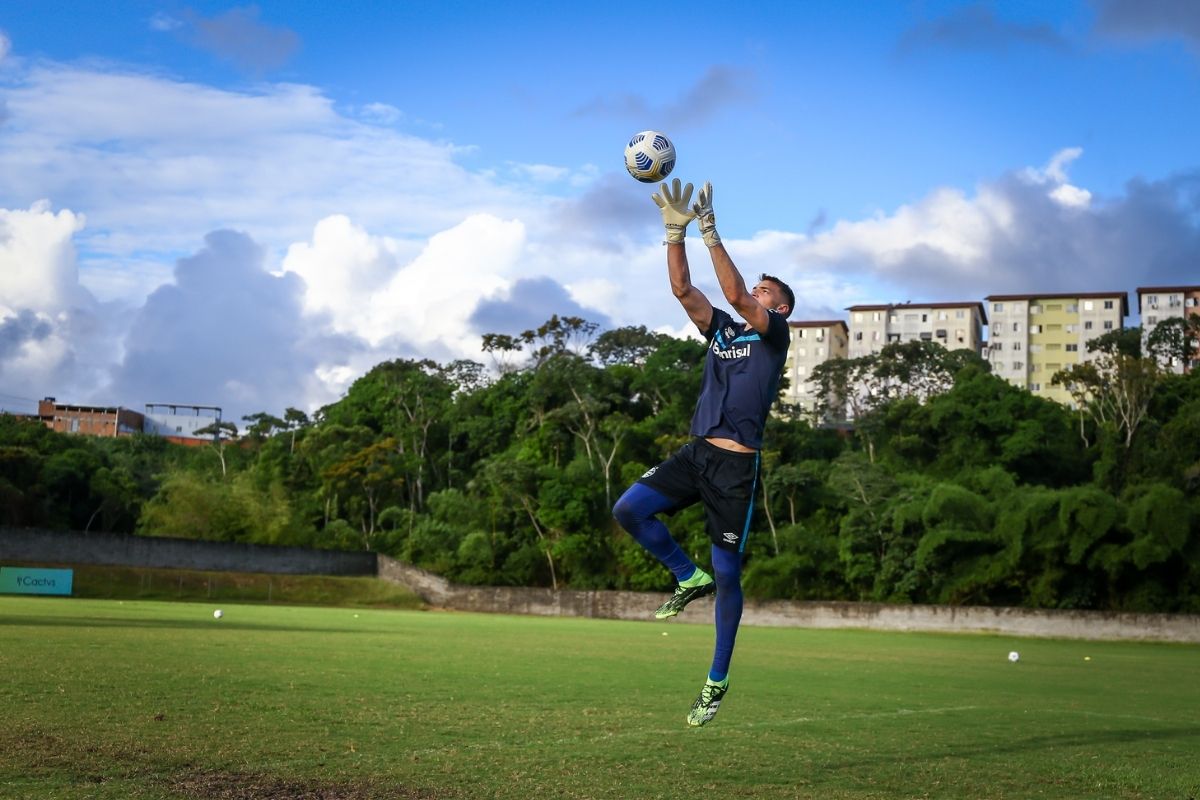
(729,536)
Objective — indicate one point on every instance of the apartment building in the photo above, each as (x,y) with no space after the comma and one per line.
(955,326)
(1157,304)
(813,342)
(1033,336)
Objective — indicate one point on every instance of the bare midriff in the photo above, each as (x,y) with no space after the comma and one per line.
(728,444)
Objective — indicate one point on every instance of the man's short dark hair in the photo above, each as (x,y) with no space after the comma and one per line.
(787,292)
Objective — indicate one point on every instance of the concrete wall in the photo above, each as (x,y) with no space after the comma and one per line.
(73,547)
(641,605)
(58,547)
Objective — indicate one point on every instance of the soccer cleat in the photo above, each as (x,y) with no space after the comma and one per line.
(706,705)
(684,595)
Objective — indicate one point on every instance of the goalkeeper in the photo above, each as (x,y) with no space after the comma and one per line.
(718,467)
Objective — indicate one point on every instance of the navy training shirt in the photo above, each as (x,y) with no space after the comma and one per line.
(741,378)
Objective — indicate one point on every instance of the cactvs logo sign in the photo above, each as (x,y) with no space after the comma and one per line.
(27,580)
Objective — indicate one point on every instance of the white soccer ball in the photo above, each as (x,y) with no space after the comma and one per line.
(649,156)
(1014,656)
(218,614)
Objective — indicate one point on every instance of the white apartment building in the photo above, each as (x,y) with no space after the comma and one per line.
(1158,304)
(955,326)
(813,342)
(1033,336)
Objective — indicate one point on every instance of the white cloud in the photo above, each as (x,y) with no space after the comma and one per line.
(5,45)
(37,260)
(155,163)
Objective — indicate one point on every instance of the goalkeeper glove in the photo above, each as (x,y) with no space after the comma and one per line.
(708,219)
(675,212)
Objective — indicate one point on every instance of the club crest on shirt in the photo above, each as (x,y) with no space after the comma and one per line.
(729,332)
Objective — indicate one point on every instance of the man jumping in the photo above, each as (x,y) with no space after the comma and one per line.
(720,466)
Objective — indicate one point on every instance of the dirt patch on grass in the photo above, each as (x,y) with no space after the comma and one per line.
(37,753)
(213,785)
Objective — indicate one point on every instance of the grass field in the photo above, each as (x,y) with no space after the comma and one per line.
(142,699)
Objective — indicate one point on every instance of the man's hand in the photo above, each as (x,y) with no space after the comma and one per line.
(675,212)
(708,219)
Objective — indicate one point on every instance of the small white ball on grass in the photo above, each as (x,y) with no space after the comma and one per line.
(218,614)
(664,633)
(1014,656)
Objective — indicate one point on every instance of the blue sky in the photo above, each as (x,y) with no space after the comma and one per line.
(249,206)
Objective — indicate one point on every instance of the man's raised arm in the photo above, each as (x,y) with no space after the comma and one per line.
(733,286)
(673,202)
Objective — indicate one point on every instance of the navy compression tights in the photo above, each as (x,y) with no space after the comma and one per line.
(636,511)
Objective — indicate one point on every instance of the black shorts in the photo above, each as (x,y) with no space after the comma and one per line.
(724,480)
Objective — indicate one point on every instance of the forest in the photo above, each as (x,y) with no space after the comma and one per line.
(949,486)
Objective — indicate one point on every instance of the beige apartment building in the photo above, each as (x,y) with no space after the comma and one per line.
(1033,336)
(813,342)
(955,326)
(1158,304)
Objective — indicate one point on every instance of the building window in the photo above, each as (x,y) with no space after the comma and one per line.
(801,351)
(1108,326)
(1016,346)
(876,317)
(997,306)
(858,317)
(858,336)
(1035,387)
(1108,304)
(1018,365)
(1072,348)
(1152,320)
(875,335)
(1087,326)
(997,346)
(1016,327)
(1088,305)
(820,352)
(959,314)
(941,315)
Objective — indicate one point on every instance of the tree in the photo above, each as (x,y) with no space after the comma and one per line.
(222,431)
(294,419)
(1116,385)
(1175,341)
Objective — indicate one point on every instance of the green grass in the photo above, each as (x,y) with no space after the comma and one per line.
(107,699)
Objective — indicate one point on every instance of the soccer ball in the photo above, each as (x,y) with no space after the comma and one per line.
(649,156)
(218,614)
(1014,656)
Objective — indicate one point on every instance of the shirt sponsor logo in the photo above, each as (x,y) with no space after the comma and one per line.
(733,352)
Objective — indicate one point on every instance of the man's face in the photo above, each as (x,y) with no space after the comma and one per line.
(768,295)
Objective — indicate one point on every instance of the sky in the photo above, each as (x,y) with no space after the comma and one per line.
(249,206)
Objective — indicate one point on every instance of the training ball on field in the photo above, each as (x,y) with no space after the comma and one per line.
(218,614)
(1014,656)
(649,156)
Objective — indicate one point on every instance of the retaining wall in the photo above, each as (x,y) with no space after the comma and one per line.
(74,547)
(439,592)
(63,547)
